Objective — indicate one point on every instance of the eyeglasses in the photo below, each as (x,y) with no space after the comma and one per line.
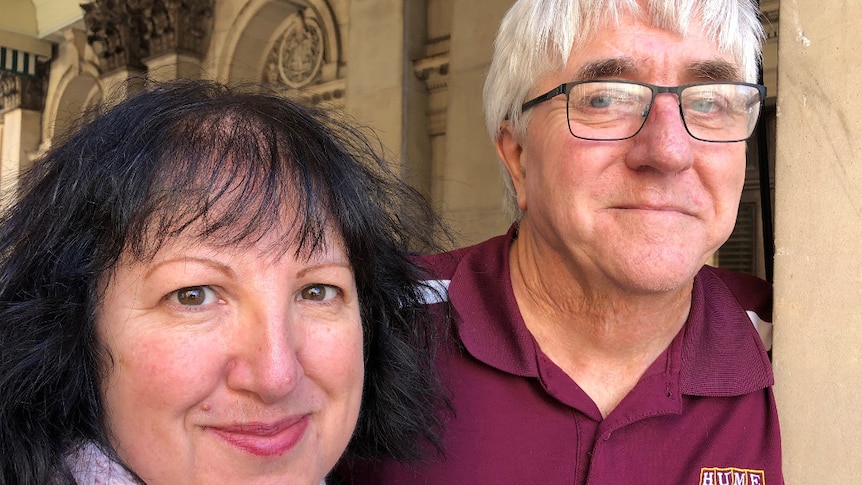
(617,110)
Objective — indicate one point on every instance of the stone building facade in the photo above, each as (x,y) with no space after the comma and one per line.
(411,70)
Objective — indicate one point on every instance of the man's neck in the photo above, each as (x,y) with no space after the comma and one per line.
(602,336)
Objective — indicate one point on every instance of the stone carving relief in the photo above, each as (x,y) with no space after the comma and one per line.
(175,25)
(434,72)
(769,17)
(114,34)
(297,56)
(123,32)
(21,92)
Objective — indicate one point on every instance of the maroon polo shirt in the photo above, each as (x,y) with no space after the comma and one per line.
(702,414)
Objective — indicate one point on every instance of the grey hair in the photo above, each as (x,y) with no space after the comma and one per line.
(537,37)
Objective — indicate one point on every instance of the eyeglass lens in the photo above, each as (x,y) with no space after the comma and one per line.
(617,110)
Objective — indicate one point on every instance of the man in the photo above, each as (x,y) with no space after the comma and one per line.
(592,345)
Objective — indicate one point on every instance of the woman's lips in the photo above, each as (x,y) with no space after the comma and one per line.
(264,439)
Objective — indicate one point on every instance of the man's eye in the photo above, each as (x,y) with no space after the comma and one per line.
(194,295)
(600,101)
(318,292)
(606,99)
(703,105)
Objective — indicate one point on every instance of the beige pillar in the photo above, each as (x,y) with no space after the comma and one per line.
(472,191)
(382,90)
(173,66)
(121,83)
(21,129)
(818,263)
(416,147)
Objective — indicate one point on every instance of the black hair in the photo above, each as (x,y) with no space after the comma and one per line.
(159,164)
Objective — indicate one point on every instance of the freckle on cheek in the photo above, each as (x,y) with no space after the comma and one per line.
(206,408)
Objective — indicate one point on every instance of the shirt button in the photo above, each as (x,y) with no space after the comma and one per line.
(606,436)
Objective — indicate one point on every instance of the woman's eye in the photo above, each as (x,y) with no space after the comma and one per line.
(318,292)
(194,295)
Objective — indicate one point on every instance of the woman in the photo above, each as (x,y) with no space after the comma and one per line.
(210,285)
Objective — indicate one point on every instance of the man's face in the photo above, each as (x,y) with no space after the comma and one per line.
(641,214)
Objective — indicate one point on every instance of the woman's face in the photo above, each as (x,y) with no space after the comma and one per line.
(232,365)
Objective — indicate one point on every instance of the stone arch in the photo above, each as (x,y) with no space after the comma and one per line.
(260,26)
(76,92)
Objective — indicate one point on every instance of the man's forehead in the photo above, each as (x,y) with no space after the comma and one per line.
(634,42)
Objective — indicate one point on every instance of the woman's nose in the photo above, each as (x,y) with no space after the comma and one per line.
(265,360)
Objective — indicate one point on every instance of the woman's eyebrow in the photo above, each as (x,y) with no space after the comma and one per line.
(217,265)
(339,263)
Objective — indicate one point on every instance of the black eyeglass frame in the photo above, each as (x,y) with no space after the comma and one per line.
(566,88)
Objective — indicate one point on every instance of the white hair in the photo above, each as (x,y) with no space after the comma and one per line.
(537,37)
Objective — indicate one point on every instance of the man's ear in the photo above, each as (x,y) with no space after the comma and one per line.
(511,153)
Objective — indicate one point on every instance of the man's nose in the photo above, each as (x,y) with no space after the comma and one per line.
(663,143)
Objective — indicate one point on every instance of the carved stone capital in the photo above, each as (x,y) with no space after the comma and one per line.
(434,71)
(21,92)
(123,32)
(114,34)
(769,17)
(175,26)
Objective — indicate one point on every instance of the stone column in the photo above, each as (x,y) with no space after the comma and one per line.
(818,263)
(472,187)
(416,149)
(115,34)
(164,38)
(382,89)
(176,34)
(173,66)
(21,99)
(121,83)
(374,62)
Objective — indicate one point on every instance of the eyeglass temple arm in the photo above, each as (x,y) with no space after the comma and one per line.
(561,89)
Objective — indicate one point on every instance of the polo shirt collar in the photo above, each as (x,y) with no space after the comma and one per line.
(481,295)
(717,353)
(721,352)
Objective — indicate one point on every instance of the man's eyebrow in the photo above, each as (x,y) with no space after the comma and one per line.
(714,70)
(614,67)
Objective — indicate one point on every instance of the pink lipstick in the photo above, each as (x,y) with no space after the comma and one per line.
(264,439)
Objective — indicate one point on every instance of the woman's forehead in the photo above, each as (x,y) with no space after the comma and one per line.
(272,245)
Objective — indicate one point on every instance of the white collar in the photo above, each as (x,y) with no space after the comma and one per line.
(90,466)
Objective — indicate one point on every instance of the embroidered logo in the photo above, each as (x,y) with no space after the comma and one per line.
(731,476)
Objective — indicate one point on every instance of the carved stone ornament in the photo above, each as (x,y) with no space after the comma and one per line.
(297,56)
(123,32)
(23,92)
(434,71)
(175,25)
(114,34)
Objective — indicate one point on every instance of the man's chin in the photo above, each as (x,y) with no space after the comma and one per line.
(658,275)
